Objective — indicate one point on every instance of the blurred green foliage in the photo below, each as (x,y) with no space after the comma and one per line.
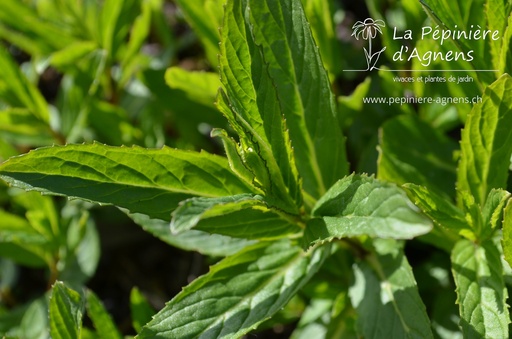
(145,73)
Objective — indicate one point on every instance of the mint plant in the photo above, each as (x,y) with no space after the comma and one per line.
(281,208)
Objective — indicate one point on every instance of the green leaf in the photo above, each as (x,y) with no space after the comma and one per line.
(481,292)
(35,322)
(35,239)
(18,229)
(505,65)
(465,16)
(6,150)
(21,127)
(236,163)
(36,34)
(438,208)
(141,310)
(385,295)
(68,57)
(205,17)
(103,323)
(81,259)
(205,243)
(311,324)
(240,216)
(320,14)
(286,316)
(138,34)
(20,40)
(446,113)
(88,334)
(294,66)
(109,20)
(192,211)
(473,214)
(250,104)
(486,143)
(507,232)
(361,205)
(66,311)
(350,106)
(188,115)
(492,212)
(21,242)
(10,319)
(412,151)
(149,181)
(497,13)
(237,294)
(31,256)
(42,215)
(17,91)
(343,323)
(201,87)
(111,123)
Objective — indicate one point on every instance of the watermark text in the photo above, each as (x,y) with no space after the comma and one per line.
(405,100)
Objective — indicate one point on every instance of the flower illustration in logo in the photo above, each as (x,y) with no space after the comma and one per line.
(368,29)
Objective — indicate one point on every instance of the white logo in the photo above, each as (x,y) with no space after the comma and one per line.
(368,30)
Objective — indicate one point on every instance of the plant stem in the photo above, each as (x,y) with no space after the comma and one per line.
(369,52)
(369,48)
